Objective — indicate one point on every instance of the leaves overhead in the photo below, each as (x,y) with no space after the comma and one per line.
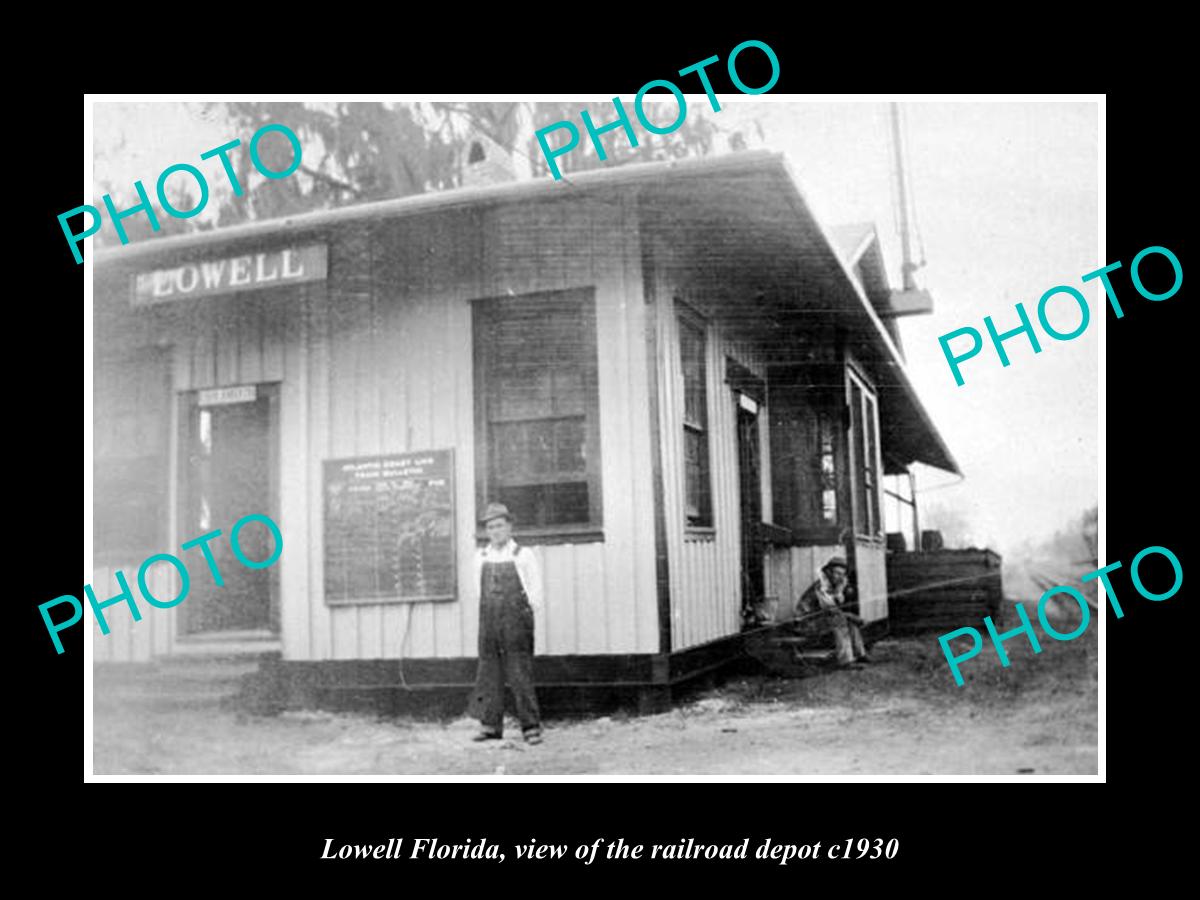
(362,152)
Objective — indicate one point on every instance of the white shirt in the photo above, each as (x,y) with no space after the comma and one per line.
(527,570)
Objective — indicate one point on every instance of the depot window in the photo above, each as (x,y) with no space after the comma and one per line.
(817,473)
(537,411)
(864,431)
(697,477)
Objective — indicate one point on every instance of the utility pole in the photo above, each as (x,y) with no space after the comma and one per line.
(912,492)
(909,266)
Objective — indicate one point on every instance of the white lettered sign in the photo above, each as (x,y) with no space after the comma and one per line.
(249,272)
(242,393)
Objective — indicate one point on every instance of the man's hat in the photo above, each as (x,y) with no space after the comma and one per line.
(496,511)
(835,561)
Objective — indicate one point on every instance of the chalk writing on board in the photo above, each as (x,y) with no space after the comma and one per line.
(389,528)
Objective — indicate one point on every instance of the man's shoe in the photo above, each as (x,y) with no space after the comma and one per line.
(533,737)
(486,735)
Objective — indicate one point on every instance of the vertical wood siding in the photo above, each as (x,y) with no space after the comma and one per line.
(790,571)
(871,572)
(378,359)
(246,339)
(128,640)
(705,569)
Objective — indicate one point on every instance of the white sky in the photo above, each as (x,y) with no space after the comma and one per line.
(1007,202)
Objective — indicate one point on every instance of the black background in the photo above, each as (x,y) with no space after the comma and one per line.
(953,837)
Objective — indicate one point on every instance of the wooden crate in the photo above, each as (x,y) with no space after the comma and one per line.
(943,589)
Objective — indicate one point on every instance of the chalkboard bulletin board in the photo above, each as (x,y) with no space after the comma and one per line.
(389,528)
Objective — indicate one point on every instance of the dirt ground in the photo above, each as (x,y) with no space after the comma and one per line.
(900,715)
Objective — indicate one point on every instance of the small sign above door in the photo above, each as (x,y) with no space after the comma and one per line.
(249,272)
(242,393)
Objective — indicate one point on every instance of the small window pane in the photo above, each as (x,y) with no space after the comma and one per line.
(856,427)
(523,393)
(871,446)
(568,392)
(872,468)
(697,485)
(206,431)
(551,504)
(536,383)
(570,446)
(541,450)
(829,506)
(691,343)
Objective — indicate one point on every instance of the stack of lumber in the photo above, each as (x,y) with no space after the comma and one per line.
(942,590)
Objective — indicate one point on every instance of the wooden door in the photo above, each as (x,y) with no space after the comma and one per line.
(227,474)
(750,491)
(868,553)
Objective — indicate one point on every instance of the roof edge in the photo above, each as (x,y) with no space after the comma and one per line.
(538,189)
(896,361)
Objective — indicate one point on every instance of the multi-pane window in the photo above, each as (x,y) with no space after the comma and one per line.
(864,428)
(697,480)
(808,445)
(871,474)
(825,497)
(538,422)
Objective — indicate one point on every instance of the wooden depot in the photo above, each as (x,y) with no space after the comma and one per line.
(690,388)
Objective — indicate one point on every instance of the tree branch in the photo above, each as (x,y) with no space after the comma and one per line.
(329,179)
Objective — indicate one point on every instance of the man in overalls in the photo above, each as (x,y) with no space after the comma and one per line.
(822,606)
(510,590)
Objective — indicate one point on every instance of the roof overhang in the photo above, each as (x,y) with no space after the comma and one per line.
(908,432)
(752,217)
(749,206)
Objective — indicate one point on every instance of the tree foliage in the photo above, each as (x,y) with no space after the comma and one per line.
(362,152)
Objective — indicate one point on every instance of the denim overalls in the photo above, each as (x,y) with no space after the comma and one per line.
(505,647)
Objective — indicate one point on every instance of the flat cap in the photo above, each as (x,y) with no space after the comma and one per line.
(496,511)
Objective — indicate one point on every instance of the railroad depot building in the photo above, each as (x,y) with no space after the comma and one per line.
(687,390)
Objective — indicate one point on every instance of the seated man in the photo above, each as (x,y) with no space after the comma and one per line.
(820,608)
